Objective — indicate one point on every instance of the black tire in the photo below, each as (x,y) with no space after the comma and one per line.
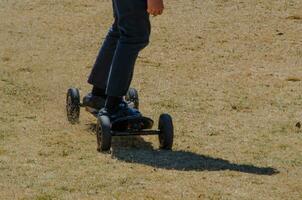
(132,97)
(103,133)
(73,105)
(166,134)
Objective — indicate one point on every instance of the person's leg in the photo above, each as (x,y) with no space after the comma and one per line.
(100,71)
(134,26)
(99,74)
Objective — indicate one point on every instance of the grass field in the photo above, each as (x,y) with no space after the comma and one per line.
(228,71)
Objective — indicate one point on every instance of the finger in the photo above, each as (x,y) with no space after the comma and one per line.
(156,12)
(153,12)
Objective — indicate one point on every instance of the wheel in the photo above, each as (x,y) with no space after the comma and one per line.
(103,133)
(165,126)
(73,105)
(132,97)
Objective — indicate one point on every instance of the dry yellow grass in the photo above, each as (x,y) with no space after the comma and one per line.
(222,68)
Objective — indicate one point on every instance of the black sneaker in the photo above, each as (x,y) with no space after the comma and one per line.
(94,102)
(122,111)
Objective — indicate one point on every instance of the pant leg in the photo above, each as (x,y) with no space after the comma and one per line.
(100,71)
(134,26)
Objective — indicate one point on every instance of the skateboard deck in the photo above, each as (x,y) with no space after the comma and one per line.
(127,123)
(132,123)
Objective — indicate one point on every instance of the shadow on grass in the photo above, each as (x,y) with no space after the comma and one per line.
(91,127)
(140,151)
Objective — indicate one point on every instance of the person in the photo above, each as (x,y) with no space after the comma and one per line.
(112,72)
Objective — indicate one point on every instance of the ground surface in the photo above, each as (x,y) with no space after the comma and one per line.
(228,71)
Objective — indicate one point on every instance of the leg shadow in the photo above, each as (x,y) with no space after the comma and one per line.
(142,152)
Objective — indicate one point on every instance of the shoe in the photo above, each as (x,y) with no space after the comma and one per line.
(122,111)
(94,102)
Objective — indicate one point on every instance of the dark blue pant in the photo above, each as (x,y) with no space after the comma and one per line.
(114,66)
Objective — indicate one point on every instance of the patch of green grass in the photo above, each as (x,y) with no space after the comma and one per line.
(66,189)
(168,104)
(215,195)
(292,162)
(283,146)
(1,137)
(65,153)
(44,197)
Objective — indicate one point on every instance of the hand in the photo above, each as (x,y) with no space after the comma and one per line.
(155,7)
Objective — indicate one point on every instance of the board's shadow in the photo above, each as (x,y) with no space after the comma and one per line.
(137,150)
